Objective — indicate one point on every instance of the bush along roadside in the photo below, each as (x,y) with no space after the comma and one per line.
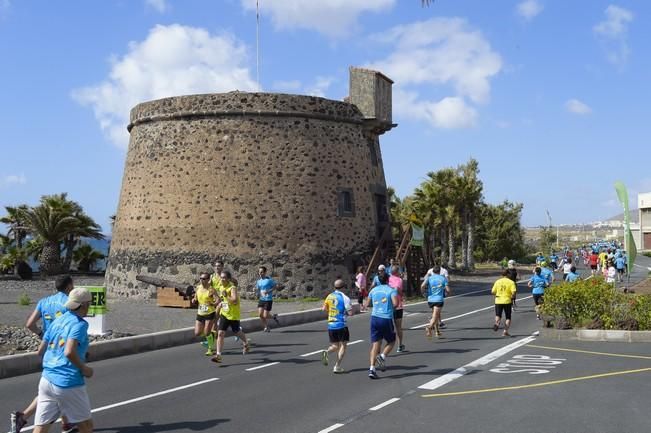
(596,304)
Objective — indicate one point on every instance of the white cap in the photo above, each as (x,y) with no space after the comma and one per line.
(381,268)
(77,297)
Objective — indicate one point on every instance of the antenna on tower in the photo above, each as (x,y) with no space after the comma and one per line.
(257,43)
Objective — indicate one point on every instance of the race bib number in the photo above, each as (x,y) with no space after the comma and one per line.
(203,308)
(225,306)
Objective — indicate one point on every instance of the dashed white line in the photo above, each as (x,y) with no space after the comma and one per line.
(465,314)
(386,403)
(144,397)
(263,366)
(331,428)
(321,350)
(486,359)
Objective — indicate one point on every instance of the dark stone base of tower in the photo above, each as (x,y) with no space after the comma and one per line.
(294,183)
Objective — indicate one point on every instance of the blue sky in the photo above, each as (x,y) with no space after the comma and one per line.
(551,97)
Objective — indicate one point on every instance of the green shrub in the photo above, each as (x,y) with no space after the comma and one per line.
(24,300)
(648,254)
(594,303)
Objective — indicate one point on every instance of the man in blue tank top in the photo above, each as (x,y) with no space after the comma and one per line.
(437,289)
(338,306)
(384,300)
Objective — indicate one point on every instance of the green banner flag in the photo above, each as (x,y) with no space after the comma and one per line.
(417,235)
(629,242)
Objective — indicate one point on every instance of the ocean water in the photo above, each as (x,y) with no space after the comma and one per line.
(101,245)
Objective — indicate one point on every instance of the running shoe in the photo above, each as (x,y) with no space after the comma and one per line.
(442,325)
(246,348)
(438,334)
(266,329)
(209,352)
(217,358)
(338,370)
(372,374)
(204,343)
(324,357)
(18,421)
(69,428)
(506,334)
(275,317)
(381,364)
(495,327)
(401,348)
(538,316)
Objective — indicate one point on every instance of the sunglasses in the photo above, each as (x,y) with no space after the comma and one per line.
(204,279)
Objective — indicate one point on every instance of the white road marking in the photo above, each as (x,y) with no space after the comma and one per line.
(312,353)
(321,350)
(386,403)
(486,359)
(331,428)
(447,319)
(144,397)
(263,366)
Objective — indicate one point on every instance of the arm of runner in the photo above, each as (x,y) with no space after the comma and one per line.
(71,353)
(41,348)
(394,298)
(31,323)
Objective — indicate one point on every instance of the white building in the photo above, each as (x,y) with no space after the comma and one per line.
(644,230)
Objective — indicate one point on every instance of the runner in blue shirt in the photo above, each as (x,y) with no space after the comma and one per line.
(383,299)
(620,265)
(265,288)
(547,273)
(62,389)
(538,283)
(573,275)
(47,310)
(437,288)
(338,306)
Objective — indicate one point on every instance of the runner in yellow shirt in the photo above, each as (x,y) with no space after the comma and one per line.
(206,298)
(504,290)
(229,314)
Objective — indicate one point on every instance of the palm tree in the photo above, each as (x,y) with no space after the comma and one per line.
(55,220)
(16,223)
(470,196)
(86,257)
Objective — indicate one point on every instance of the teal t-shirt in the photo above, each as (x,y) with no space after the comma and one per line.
(382,303)
(57,368)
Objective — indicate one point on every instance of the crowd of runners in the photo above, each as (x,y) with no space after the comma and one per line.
(64,340)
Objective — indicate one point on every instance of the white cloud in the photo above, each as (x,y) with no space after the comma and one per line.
(434,55)
(320,86)
(577,107)
(14,179)
(286,86)
(613,31)
(160,6)
(333,18)
(173,60)
(528,9)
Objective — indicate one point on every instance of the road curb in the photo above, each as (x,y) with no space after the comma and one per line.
(26,363)
(595,335)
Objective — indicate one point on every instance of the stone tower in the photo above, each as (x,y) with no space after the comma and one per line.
(291,182)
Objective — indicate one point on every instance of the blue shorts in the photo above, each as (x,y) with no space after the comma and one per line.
(382,329)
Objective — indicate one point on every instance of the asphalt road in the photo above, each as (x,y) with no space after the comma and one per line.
(281,386)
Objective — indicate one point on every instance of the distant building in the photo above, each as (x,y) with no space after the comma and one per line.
(643,240)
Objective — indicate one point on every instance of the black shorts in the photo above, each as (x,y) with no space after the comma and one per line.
(435,304)
(565,277)
(202,319)
(265,304)
(620,271)
(538,299)
(506,308)
(593,266)
(397,314)
(554,265)
(339,335)
(225,323)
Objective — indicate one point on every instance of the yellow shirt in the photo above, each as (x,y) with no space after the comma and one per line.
(503,289)
(216,282)
(206,301)
(230,311)
(602,258)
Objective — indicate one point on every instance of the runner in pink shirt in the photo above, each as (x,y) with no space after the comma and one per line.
(395,282)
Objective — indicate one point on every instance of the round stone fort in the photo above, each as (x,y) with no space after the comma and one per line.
(294,183)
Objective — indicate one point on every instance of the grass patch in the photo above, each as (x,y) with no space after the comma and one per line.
(24,300)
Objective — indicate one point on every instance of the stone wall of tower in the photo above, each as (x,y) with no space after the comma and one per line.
(251,178)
